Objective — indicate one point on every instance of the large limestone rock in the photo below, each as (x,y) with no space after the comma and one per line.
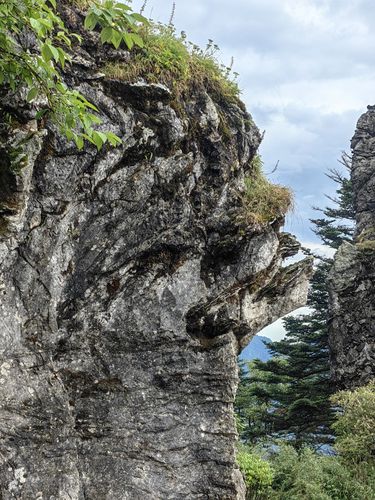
(352,283)
(128,287)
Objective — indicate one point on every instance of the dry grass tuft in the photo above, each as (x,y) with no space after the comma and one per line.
(264,202)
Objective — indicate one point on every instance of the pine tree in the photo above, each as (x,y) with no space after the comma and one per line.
(337,224)
(288,396)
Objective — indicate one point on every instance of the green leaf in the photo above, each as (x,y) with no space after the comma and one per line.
(127,37)
(97,140)
(94,118)
(140,18)
(40,114)
(35,24)
(106,34)
(78,139)
(122,6)
(91,21)
(113,139)
(138,40)
(54,52)
(47,52)
(69,134)
(33,92)
(62,56)
(116,39)
(47,23)
(103,136)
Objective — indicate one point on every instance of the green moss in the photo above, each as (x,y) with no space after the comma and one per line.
(172,60)
(264,202)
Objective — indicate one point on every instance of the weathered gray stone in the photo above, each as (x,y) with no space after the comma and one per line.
(127,290)
(352,279)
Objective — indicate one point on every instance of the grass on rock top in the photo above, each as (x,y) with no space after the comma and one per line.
(170,59)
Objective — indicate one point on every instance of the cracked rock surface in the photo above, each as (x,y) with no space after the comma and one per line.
(128,287)
(352,280)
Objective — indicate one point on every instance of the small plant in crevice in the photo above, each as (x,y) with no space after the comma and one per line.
(264,202)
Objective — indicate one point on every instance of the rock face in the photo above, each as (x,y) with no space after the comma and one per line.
(352,283)
(128,287)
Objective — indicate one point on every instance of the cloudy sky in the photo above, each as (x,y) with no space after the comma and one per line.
(307,73)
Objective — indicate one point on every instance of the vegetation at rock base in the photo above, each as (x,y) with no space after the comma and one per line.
(305,475)
(257,472)
(356,423)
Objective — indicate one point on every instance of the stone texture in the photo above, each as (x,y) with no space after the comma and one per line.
(352,280)
(128,288)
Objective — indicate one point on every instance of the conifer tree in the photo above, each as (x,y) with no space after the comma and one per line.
(288,396)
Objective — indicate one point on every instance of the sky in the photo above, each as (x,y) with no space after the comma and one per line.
(306,71)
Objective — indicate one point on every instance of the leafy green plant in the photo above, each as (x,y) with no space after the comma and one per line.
(306,475)
(117,23)
(37,65)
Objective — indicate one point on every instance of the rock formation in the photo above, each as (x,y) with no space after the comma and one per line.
(128,287)
(352,332)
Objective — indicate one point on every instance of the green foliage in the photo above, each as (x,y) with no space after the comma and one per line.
(170,59)
(257,473)
(37,65)
(117,23)
(264,202)
(356,423)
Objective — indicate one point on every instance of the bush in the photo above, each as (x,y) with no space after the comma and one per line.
(257,474)
(309,476)
(356,423)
